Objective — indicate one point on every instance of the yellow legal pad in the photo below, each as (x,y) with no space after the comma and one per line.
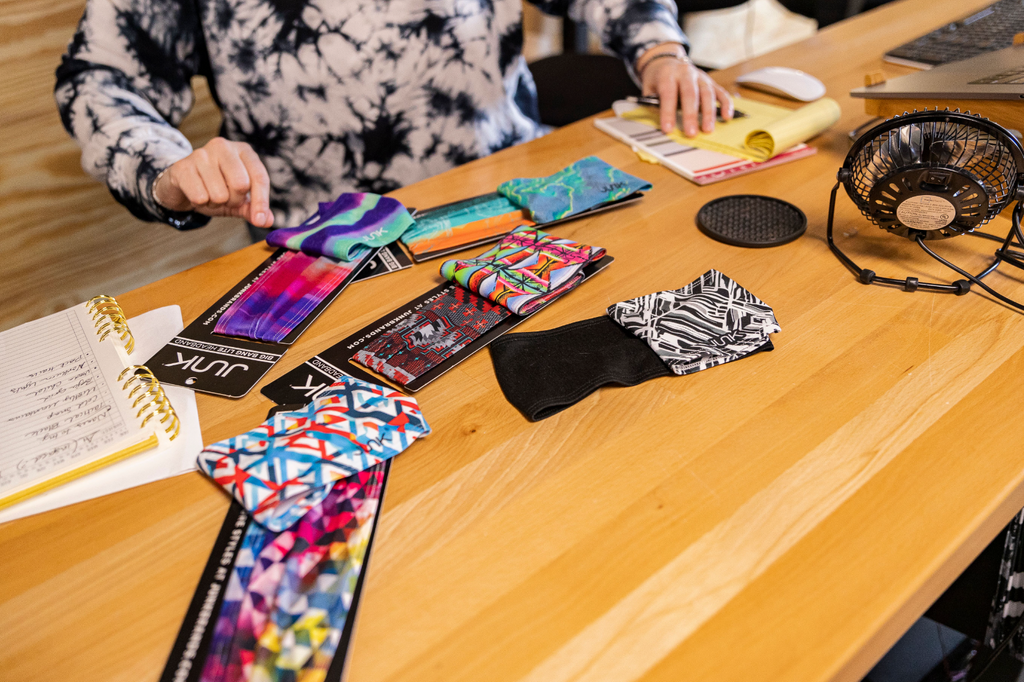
(765,131)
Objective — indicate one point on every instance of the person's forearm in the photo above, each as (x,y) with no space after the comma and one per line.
(669,50)
(121,106)
(629,28)
(124,140)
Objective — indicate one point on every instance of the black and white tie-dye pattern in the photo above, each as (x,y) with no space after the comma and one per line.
(707,323)
(1008,602)
(334,95)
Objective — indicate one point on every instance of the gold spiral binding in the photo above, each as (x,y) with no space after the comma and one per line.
(151,400)
(110,319)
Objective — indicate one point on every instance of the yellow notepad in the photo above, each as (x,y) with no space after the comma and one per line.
(71,402)
(765,131)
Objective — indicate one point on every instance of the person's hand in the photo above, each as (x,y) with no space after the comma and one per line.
(222,178)
(674,79)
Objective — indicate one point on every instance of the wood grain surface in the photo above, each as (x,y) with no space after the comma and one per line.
(64,238)
(785,517)
(1006,113)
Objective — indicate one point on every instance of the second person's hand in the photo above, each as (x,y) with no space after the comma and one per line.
(667,72)
(221,178)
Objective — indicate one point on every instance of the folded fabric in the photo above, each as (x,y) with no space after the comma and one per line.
(288,464)
(542,373)
(431,335)
(289,594)
(340,227)
(285,295)
(464,222)
(445,240)
(585,184)
(708,322)
(525,270)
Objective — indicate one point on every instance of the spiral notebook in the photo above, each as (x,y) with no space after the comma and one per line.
(72,401)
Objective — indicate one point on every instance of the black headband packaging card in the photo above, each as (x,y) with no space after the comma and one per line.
(388,259)
(203,360)
(305,380)
(217,638)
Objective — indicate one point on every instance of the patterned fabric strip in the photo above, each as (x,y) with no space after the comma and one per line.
(466,226)
(289,593)
(287,465)
(527,269)
(285,295)
(435,222)
(708,322)
(588,183)
(431,336)
(480,231)
(339,228)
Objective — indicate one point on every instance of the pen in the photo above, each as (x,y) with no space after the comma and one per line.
(654,101)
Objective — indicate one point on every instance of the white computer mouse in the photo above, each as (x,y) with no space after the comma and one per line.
(785,82)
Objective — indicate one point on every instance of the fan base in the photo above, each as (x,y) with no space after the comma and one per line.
(1005,253)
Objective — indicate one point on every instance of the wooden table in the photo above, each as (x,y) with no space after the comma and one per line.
(785,517)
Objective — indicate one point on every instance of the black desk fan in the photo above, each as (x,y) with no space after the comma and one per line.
(932,175)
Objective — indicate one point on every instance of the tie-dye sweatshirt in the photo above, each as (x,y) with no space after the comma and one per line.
(334,95)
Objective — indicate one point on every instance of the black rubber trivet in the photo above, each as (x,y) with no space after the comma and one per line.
(751,220)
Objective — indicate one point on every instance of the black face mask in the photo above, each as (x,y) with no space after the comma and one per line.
(542,373)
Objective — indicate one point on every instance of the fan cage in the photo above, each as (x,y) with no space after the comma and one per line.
(937,142)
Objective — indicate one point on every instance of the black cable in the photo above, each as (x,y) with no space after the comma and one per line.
(969,276)
(1000,240)
(998,650)
(986,235)
(1018,215)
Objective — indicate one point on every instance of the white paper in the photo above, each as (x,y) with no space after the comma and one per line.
(151,331)
(59,404)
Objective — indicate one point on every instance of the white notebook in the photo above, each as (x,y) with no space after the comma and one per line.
(65,417)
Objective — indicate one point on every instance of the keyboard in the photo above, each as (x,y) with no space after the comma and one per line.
(990,29)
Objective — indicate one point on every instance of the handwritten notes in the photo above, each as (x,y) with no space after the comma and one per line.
(60,406)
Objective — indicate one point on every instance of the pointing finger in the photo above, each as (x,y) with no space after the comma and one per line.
(259,188)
